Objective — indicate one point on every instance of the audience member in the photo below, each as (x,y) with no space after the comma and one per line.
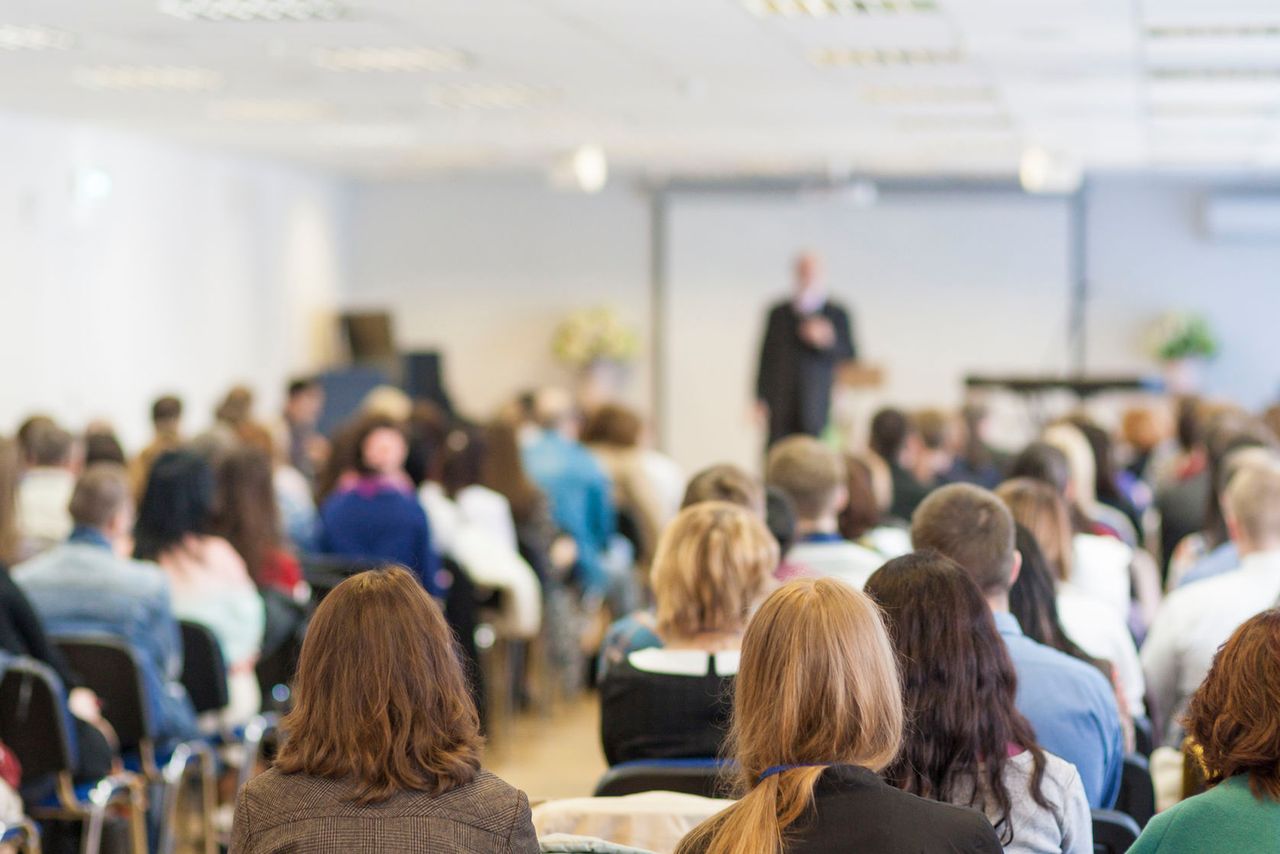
(208,579)
(10,475)
(864,518)
(1196,620)
(307,448)
(373,513)
(1183,486)
(725,482)
(968,744)
(382,747)
(248,518)
(1113,490)
(1070,704)
(45,489)
(817,715)
(102,446)
(548,550)
(977,462)
(815,478)
(83,586)
(780,518)
(939,442)
(166,421)
(613,434)
(27,430)
(666,691)
(896,441)
(1233,719)
(1223,557)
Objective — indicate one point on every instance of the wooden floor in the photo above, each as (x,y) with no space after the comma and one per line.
(557,756)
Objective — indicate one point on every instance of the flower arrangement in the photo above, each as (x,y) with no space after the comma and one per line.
(1180,335)
(592,335)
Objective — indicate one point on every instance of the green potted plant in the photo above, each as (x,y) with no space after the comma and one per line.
(597,346)
(1183,342)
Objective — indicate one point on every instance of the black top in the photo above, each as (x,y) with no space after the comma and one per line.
(22,633)
(908,492)
(647,715)
(855,812)
(794,378)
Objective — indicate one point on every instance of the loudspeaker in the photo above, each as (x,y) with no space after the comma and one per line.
(369,336)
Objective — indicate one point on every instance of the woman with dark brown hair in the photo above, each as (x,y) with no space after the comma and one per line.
(968,744)
(247,517)
(383,746)
(1234,718)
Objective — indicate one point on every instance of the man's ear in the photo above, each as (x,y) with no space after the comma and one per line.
(1233,528)
(841,498)
(1017,567)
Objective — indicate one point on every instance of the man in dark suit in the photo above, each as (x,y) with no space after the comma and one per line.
(805,339)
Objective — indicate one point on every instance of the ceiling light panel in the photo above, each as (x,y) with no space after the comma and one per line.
(13,37)
(269,111)
(830,8)
(390,59)
(1223,74)
(160,78)
(885,57)
(254,10)
(488,96)
(1269,30)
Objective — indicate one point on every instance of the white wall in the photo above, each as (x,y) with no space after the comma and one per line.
(196,271)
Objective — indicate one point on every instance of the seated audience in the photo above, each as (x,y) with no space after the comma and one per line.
(166,420)
(1232,719)
(82,586)
(968,744)
(864,518)
(817,716)
(1196,620)
(1216,560)
(45,489)
(780,519)
(1181,482)
(248,518)
(1114,488)
(208,579)
(102,446)
(725,482)
(896,441)
(1070,704)
(1082,465)
(307,449)
(976,462)
(382,747)
(666,692)
(1086,619)
(940,438)
(814,476)
(373,513)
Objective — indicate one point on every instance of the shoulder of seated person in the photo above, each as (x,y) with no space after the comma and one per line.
(482,802)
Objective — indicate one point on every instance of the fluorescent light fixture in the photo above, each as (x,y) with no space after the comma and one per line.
(14,37)
(1215,73)
(268,111)
(1215,31)
(254,10)
(160,78)
(487,96)
(390,59)
(883,57)
(1044,171)
(585,170)
(828,8)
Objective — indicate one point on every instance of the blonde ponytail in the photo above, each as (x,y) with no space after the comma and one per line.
(757,822)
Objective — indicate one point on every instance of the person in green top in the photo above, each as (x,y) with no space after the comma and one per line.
(1235,718)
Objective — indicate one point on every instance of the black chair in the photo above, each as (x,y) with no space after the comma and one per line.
(703,777)
(110,668)
(1143,736)
(204,673)
(1137,797)
(325,572)
(23,837)
(34,724)
(1113,832)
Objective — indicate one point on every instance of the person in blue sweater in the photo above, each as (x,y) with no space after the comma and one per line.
(373,512)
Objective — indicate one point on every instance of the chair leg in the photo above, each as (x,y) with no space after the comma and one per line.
(209,801)
(32,844)
(138,816)
(171,784)
(91,833)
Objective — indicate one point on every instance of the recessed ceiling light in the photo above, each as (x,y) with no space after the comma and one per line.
(268,110)
(14,37)
(825,8)
(165,78)
(390,59)
(880,57)
(1215,31)
(254,10)
(487,96)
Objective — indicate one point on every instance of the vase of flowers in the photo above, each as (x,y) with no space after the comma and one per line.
(599,348)
(1183,343)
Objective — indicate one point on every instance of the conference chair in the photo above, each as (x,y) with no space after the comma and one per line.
(1113,832)
(1143,736)
(35,725)
(111,670)
(23,837)
(1137,798)
(704,777)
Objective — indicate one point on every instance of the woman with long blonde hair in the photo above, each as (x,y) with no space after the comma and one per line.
(817,715)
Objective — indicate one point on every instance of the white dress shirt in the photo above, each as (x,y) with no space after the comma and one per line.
(1192,624)
(1097,630)
(1100,568)
(835,558)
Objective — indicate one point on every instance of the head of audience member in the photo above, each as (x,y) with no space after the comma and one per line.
(814,476)
(713,565)
(387,401)
(380,446)
(972,527)
(380,695)
(555,412)
(103,502)
(1143,428)
(166,416)
(27,431)
(427,428)
(1227,437)
(941,438)
(1081,466)
(1037,506)
(1188,420)
(463,459)
(1106,487)
(503,470)
(1033,600)
(725,482)
(780,517)
(177,503)
(247,515)
(894,437)
(102,447)
(953,662)
(817,684)
(50,447)
(863,510)
(1252,505)
(236,407)
(10,473)
(304,401)
(974,450)
(1234,717)
(613,426)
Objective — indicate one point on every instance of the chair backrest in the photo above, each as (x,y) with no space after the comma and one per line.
(204,673)
(1113,832)
(704,777)
(34,721)
(109,667)
(325,572)
(1143,735)
(1137,798)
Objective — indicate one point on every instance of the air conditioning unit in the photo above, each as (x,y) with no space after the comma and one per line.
(1242,216)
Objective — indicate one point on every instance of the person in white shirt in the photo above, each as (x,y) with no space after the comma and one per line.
(813,476)
(44,493)
(1196,620)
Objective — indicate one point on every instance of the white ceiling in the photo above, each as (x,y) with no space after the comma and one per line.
(689,87)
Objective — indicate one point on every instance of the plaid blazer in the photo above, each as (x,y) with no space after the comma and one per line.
(297,814)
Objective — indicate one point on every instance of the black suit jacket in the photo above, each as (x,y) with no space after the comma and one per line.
(795,379)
